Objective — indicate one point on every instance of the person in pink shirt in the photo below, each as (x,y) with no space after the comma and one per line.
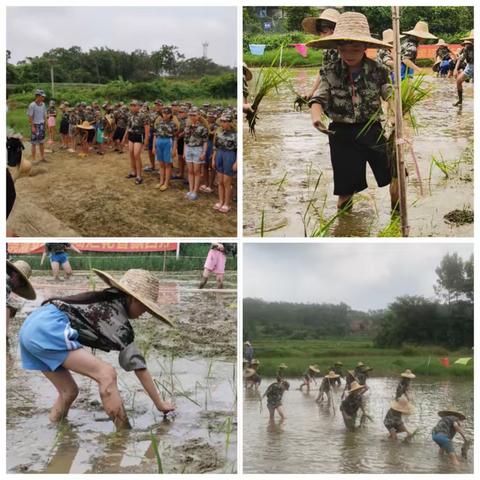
(215,263)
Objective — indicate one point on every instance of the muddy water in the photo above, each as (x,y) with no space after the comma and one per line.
(282,165)
(200,438)
(313,438)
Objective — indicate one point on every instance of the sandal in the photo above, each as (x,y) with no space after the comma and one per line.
(224,209)
(138,181)
(217,206)
(203,188)
(207,190)
(130,175)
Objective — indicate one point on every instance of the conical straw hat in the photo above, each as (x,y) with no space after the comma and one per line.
(282,365)
(247,72)
(25,290)
(338,364)
(313,368)
(254,362)
(332,374)
(421,31)
(451,411)
(140,284)
(402,405)
(248,372)
(354,386)
(351,27)
(408,374)
(309,24)
(85,126)
(441,42)
(387,36)
(469,36)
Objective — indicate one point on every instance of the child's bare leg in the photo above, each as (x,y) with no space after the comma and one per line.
(220,281)
(453,458)
(55,270)
(272,413)
(205,275)
(281,412)
(67,393)
(67,268)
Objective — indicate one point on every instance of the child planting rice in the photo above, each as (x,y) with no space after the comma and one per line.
(393,420)
(309,377)
(403,387)
(354,402)
(57,253)
(274,396)
(326,387)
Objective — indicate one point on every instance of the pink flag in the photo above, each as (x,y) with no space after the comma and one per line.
(301,48)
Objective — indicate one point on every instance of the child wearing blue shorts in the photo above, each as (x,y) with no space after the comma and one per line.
(57,253)
(445,430)
(165,130)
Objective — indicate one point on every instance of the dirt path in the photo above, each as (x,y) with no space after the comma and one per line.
(91,197)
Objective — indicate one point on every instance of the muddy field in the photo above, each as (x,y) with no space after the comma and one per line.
(288,175)
(74,196)
(194,365)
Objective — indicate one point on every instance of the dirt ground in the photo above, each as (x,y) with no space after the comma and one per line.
(70,196)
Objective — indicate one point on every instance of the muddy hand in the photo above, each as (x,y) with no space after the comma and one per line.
(320,126)
(167,407)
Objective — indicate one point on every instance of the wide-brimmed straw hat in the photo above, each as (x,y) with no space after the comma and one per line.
(451,411)
(141,285)
(249,372)
(248,343)
(338,364)
(247,72)
(282,365)
(408,374)
(85,125)
(332,374)
(421,31)
(360,364)
(23,269)
(350,27)
(355,386)
(387,36)
(254,362)
(441,42)
(309,24)
(351,372)
(314,368)
(402,405)
(469,37)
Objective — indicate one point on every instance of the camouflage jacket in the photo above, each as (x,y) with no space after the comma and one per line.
(352,100)
(274,395)
(90,117)
(443,52)
(226,139)
(351,404)
(65,117)
(445,426)
(384,56)
(152,116)
(330,55)
(165,129)
(51,111)
(182,124)
(212,128)
(467,55)
(196,135)
(121,118)
(409,49)
(73,118)
(393,419)
(105,325)
(402,388)
(137,122)
(56,247)
(80,116)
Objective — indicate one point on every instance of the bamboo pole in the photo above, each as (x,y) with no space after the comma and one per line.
(399,140)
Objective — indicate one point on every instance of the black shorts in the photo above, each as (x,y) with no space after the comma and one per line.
(11,193)
(64,127)
(135,137)
(350,153)
(119,133)
(180,146)
(90,135)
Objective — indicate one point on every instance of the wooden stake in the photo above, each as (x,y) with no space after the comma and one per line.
(399,140)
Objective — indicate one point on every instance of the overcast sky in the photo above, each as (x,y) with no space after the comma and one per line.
(34,30)
(364,276)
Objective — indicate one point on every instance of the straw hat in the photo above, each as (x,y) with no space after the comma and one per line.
(254,362)
(141,285)
(360,364)
(338,364)
(421,31)
(332,374)
(350,27)
(247,72)
(85,125)
(282,365)
(441,42)
(249,372)
(408,374)
(354,386)
(469,37)
(309,24)
(313,368)
(451,411)
(248,343)
(387,36)
(25,290)
(366,368)
(351,372)
(402,405)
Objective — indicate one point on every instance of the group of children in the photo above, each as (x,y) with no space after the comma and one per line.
(353,401)
(202,141)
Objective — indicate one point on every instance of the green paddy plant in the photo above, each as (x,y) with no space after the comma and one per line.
(156,451)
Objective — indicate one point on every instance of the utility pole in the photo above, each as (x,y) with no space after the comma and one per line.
(205,49)
(51,62)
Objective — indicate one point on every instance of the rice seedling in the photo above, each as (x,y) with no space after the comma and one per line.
(268,79)
(156,451)
(281,182)
(393,229)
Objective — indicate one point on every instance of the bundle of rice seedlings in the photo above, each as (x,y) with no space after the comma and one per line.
(268,79)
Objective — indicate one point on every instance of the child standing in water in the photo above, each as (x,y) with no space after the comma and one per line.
(444,431)
(53,337)
(326,387)
(393,420)
(215,263)
(274,396)
(350,406)
(403,387)
(309,377)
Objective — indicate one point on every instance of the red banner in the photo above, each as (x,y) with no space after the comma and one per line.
(31,248)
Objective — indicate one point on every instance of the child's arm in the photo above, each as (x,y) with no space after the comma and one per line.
(75,249)
(147,383)
(458,429)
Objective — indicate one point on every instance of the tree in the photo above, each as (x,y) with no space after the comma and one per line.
(451,278)
(295,15)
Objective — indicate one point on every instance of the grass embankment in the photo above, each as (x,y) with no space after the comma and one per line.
(290,57)
(298,354)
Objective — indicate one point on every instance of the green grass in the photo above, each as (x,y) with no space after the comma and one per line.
(290,57)
(298,354)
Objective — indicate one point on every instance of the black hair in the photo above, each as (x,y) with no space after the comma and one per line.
(87,298)
(321,23)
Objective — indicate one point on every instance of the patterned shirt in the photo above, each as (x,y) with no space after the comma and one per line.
(325,386)
(443,53)
(409,49)
(402,388)
(105,325)
(274,395)
(12,303)
(52,112)
(121,118)
(196,135)
(136,123)
(384,56)
(90,117)
(393,420)
(352,100)
(226,139)
(445,426)
(467,54)
(164,128)
(330,55)
(351,404)
(53,248)
(73,118)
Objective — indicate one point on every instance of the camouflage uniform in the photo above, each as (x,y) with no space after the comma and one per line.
(226,139)
(443,52)
(136,123)
(105,325)
(121,118)
(164,128)
(196,135)
(445,426)
(409,49)
(351,404)
(393,421)
(274,395)
(53,248)
(330,56)
(384,56)
(402,388)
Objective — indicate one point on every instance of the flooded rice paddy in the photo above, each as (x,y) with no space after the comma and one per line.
(313,438)
(195,370)
(287,159)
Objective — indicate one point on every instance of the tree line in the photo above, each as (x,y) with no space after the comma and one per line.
(445,320)
(102,65)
